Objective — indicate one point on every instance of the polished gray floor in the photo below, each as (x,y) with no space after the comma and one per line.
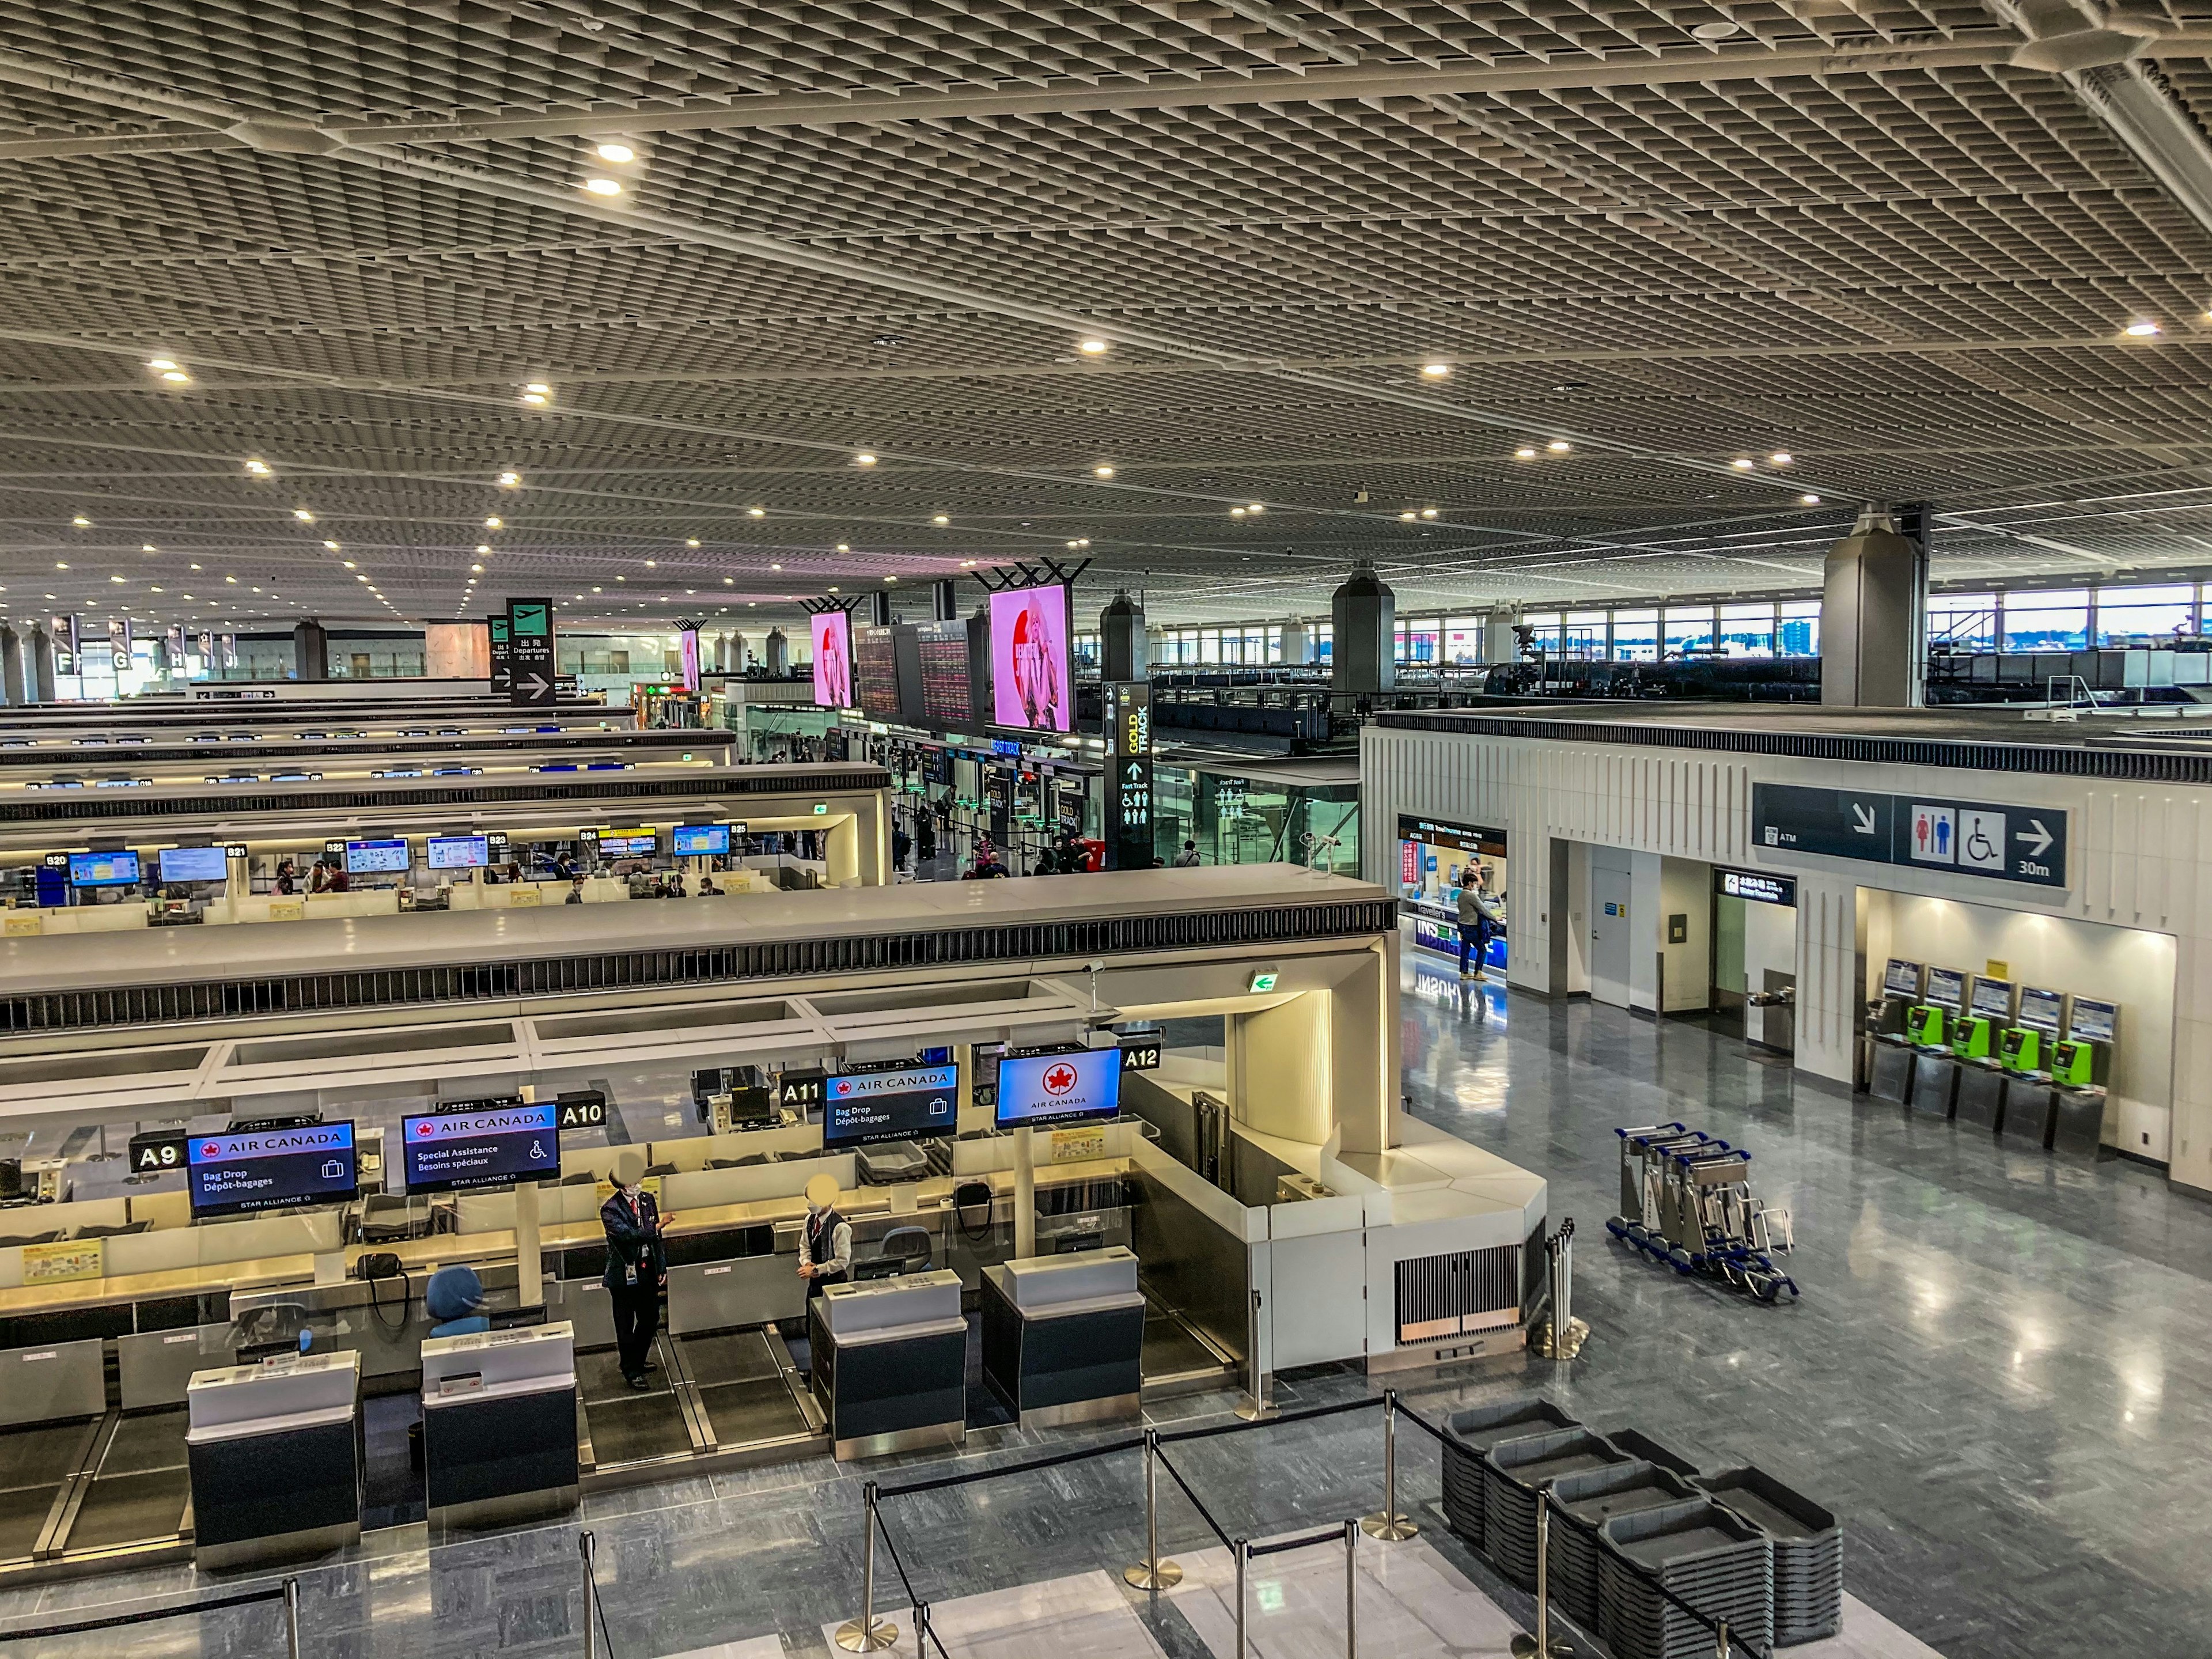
(1997,1377)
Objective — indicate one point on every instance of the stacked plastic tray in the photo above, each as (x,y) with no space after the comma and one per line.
(1469,1436)
(1808,1549)
(1589,1499)
(1514,1476)
(1717,1562)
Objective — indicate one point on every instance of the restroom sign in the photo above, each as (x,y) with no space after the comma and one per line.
(1973,838)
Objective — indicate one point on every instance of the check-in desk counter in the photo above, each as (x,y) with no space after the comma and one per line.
(891,1363)
(276,1460)
(499,1425)
(1064,1336)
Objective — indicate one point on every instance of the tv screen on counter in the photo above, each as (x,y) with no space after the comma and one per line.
(833,659)
(1037,1088)
(468,1144)
(696,841)
(458,852)
(1032,666)
(195,863)
(234,1174)
(908,1102)
(103,869)
(370,858)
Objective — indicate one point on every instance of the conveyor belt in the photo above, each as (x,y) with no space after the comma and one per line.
(1174,1356)
(139,1489)
(35,1464)
(743,1383)
(631,1425)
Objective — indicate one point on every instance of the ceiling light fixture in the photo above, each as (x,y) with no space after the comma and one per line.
(1091,348)
(842,548)
(160,363)
(864,458)
(332,546)
(1559,446)
(1406,517)
(483,547)
(1428,513)
(940,518)
(1780,458)
(1525,453)
(1809,500)
(82,522)
(148,547)
(1255,506)
(258,467)
(1235,512)
(2142,329)
(1436,371)
(620,154)
(510,481)
(1741,462)
(604,187)
(176,377)
(690,541)
(756,512)
(1102,471)
(494,523)
(303,516)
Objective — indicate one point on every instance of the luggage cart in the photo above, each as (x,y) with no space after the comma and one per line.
(1687,1201)
(1644,1153)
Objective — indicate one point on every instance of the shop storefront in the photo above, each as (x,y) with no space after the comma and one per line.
(1435,858)
(1754,955)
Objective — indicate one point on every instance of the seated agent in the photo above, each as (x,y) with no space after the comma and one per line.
(637,1265)
(825,1243)
(454,1302)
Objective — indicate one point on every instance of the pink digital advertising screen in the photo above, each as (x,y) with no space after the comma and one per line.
(1032,681)
(833,659)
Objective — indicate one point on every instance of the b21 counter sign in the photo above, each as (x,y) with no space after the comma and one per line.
(1969,838)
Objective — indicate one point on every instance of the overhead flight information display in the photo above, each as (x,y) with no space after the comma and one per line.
(480,1143)
(271,1169)
(1035,1089)
(946,673)
(875,672)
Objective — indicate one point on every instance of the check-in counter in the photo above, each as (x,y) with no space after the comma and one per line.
(1064,1336)
(891,1363)
(499,1425)
(302,907)
(276,1458)
(23,921)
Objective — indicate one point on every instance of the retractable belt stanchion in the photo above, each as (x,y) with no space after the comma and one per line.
(584,1547)
(1351,1589)
(1389,1524)
(292,1619)
(1152,1573)
(1541,1645)
(1255,1406)
(868,1633)
(1561,1335)
(1242,1549)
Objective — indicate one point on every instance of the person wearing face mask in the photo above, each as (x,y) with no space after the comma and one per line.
(637,1265)
(825,1243)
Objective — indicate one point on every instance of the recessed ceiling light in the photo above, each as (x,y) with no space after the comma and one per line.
(1810,501)
(1741,462)
(260,469)
(729,581)
(1255,506)
(1559,446)
(617,154)
(756,512)
(965,564)
(540,387)
(494,523)
(176,376)
(842,548)
(476,570)
(864,458)
(1428,513)
(1102,471)
(1525,453)
(1091,348)
(1235,512)
(533,397)
(2142,328)
(348,562)
(484,547)
(940,518)
(510,480)
(1717,29)
(82,522)
(1780,458)
(1436,371)
(833,590)
(148,547)
(776,567)
(1406,517)
(116,580)
(890,578)
(303,516)
(160,363)
(691,541)
(58,565)
(604,187)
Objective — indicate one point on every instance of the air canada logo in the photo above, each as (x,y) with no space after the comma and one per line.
(210,1148)
(424,1130)
(1060,1078)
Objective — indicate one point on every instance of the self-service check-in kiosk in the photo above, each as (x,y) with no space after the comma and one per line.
(2081,1067)
(1889,1064)
(1064,1336)
(499,1425)
(1975,1043)
(1929,1027)
(276,1458)
(890,1363)
(2025,1049)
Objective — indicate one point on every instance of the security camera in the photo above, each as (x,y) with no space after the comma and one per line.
(1096,965)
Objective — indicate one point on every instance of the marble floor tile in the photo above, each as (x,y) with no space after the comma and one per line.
(760,1647)
(1412,1605)
(1086,1616)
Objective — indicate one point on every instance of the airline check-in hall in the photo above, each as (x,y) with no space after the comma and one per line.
(1136,831)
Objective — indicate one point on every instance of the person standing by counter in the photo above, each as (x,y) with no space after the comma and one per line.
(825,1242)
(637,1265)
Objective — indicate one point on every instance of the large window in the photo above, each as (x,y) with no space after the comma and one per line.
(2056,621)
(1463,639)
(1417,639)
(1797,628)
(2145,616)
(1748,630)
(1689,628)
(1965,622)
(1545,629)
(1585,633)
(1635,635)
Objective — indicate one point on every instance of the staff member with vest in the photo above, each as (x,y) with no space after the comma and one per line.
(637,1265)
(825,1243)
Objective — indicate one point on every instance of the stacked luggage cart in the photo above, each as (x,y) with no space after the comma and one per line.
(1642,1551)
(1686,1200)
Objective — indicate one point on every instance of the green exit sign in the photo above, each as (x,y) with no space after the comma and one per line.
(1263,979)
(821,809)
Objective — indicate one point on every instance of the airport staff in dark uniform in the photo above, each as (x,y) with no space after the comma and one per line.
(637,1266)
(825,1243)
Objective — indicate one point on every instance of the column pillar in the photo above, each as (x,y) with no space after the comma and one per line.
(39,679)
(1874,613)
(1365,614)
(944,600)
(1121,638)
(1297,645)
(1498,644)
(779,652)
(310,652)
(11,668)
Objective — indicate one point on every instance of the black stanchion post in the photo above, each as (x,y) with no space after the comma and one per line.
(868,1633)
(1389,1524)
(1152,1573)
(292,1619)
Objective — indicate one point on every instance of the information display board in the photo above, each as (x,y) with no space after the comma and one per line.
(1061,1088)
(195,863)
(906,1103)
(629,843)
(458,852)
(875,673)
(530,652)
(1032,666)
(833,659)
(370,858)
(467,1144)
(947,673)
(270,1169)
(699,840)
(103,869)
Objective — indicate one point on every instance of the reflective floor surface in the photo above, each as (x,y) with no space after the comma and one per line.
(1995,1377)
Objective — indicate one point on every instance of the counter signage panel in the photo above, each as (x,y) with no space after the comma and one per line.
(1460,837)
(365,858)
(458,852)
(2040,1009)
(1141,1054)
(1037,1088)
(803,1089)
(629,843)
(2093,1022)
(910,1103)
(480,1143)
(195,863)
(271,1169)
(693,841)
(1993,998)
(159,1151)
(1946,989)
(103,869)
(1901,978)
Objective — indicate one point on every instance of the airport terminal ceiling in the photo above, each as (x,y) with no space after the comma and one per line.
(747,307)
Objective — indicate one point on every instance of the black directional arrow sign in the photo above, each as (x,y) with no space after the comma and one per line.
(1927,832)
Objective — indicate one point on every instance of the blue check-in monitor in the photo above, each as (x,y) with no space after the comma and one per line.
(1062,1088)
(467,1144)
(904,1103)
(234,1174)
(694,840)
